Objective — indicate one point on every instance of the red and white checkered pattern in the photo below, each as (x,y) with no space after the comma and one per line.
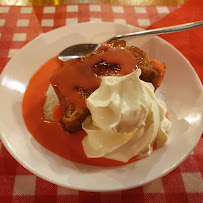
(19,25)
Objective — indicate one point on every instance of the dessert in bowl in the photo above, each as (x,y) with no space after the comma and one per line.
(185,117)
(101,109)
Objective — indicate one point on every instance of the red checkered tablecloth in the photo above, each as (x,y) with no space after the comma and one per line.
(19,25)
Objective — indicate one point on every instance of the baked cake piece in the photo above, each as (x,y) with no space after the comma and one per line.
(73,115)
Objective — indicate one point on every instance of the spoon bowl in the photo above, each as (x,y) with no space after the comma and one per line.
(77,51)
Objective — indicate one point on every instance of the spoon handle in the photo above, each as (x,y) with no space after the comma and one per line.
(163,30)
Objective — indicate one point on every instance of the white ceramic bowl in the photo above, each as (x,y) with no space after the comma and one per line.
(181,90)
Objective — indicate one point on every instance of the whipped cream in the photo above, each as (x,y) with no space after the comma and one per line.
(126,119)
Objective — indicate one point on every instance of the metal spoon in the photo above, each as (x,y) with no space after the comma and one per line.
(80,50)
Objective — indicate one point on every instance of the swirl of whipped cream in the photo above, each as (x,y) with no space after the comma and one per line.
(126,119)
